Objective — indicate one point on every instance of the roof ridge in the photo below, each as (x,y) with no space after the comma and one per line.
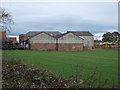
(44,31)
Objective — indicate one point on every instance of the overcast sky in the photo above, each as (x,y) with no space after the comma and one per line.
(95,17)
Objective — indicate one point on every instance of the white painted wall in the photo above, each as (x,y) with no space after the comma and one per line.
(68,38)
(88,40)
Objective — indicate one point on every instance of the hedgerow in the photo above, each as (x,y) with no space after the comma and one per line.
(19,75)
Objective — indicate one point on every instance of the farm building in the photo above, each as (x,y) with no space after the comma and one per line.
(23,38)
(69,41)
(88,41)
(3,36)
(43,41)
(13,39)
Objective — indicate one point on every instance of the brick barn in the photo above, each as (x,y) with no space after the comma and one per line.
(70,42)
(56,41)
(88,41)
(42,41)
(24,39)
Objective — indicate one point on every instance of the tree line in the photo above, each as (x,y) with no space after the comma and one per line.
(111,37)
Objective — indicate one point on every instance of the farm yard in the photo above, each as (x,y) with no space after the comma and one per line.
(67,63)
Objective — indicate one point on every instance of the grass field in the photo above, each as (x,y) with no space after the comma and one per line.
(67,63)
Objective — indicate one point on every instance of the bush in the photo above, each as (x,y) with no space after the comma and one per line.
(18,75)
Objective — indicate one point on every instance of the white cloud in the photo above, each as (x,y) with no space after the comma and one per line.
(59,0)
(112,30)
(98,34)
(97,38)
(94,17)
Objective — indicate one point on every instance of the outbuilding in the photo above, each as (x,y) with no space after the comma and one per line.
(70,42)
(43,41)
(56,41)
(88,38)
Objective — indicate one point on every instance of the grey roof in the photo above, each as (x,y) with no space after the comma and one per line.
(22,35)
(57,34)
(34,33)
(81,33)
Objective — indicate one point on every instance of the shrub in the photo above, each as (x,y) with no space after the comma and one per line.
(19,75)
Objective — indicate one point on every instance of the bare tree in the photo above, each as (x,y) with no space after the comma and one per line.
(5,20)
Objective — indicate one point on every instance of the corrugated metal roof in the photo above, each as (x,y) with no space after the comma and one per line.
(81,33)
(52,33)
(56,34)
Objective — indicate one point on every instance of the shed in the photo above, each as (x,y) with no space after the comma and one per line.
(88,38)
(42,41)
(70,42)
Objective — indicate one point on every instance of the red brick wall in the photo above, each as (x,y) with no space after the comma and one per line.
(60,47)
(12,39)
(43,46)
(88,48)
(24,38)
(70,47)
(3,35)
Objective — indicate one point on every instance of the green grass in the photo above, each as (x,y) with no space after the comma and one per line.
(67,63)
